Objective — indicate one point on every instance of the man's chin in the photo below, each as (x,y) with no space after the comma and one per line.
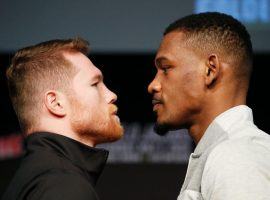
(161,129)
(118,133)
(112,134)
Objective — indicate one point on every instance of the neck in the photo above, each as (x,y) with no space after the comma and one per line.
(59,126)
(210,111)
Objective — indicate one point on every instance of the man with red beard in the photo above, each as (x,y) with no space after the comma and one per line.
(204,64)
(64,110)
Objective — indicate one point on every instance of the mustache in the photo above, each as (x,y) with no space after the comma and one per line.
(113,109)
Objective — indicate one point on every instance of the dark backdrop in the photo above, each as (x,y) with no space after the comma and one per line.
(128,76)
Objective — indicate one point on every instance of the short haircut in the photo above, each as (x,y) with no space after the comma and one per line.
(214,32)
(37,69)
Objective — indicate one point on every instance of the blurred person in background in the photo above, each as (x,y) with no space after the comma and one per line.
(64,110)
(204,65)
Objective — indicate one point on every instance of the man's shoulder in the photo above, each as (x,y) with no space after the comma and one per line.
(41,164)
(248,146)
(54,184)
(238,167)
(64,184)
(37,171)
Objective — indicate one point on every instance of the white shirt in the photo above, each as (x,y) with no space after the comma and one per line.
(231,161)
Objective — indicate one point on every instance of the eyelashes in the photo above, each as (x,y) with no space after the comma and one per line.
(94,84)
(165,69)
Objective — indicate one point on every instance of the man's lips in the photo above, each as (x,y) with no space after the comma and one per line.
(156,103)
(113,110)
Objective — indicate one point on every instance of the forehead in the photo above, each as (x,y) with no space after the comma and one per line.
(83,64)
(172,45)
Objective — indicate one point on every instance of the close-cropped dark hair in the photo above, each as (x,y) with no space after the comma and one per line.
(213,32)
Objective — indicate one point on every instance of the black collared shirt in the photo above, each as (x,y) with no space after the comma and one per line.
(56,167)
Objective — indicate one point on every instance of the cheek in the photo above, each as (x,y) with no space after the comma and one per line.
(91,98)
(184,92)
(192,84)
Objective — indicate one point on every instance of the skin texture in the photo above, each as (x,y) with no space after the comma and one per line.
(93,113)
(87,112)
(190,89)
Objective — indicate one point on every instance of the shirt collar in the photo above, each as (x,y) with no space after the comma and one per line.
(87,158)
(218,129)
(233,116)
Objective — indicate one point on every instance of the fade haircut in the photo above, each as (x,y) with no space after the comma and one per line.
(37,69)
(214,32)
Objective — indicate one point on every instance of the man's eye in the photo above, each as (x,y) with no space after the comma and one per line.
(94,84)
(165,70)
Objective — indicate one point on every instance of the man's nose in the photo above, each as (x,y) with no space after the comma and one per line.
(111,97)
(114,97)
(154,86)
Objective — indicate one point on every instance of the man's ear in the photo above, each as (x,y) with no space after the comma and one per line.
(212,70)
(54,103)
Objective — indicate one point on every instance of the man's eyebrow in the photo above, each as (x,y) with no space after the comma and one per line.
(159,60)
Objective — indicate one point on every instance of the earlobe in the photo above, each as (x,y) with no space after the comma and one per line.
(54,103)
(212,70)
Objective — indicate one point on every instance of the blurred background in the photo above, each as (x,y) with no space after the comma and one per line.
(124,36)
